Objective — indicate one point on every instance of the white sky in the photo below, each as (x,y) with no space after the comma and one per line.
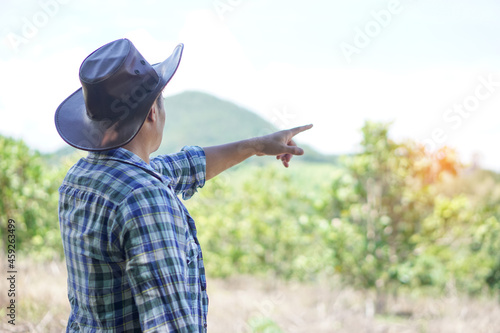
(282,59)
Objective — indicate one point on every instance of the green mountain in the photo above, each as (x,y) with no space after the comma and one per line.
(196,118)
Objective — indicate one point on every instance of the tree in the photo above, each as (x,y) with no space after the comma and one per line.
(28,195)
(380,203)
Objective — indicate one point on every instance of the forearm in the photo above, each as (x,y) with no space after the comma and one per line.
(279,144)
(222,157)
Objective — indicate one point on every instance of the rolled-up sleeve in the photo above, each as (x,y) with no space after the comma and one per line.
(187,169)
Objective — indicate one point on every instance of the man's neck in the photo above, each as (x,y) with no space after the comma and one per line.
(138,149)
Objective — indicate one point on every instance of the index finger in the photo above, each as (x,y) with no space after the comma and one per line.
(299,129)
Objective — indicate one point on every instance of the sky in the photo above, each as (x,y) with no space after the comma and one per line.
(432,68)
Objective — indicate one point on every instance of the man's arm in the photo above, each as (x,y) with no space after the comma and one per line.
(279,144)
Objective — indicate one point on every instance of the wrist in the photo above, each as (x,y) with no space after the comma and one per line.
(257,146)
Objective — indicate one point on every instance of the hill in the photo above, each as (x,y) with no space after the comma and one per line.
(196,118)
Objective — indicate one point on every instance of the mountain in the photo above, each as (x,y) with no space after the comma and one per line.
(196,118)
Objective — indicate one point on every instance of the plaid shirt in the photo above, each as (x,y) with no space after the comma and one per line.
(134,262)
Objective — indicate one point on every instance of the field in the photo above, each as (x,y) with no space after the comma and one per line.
(392,239)
(248,304)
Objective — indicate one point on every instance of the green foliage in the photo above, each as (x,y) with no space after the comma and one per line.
(379,201)
(260,224)
(462,243)
(391,228)
(390,217)
(28,192)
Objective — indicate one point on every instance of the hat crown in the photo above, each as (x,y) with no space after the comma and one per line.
(115,79)
(104,61)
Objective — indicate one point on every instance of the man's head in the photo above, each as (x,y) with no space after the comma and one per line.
(120,96)
(151,133)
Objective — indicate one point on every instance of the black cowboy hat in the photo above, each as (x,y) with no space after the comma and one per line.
(118,89)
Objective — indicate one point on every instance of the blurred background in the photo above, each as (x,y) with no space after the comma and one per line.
(388,223)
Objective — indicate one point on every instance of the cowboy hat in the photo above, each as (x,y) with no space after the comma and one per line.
(118,89)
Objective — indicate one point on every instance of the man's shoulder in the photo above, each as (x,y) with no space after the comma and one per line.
(111,179)
(192,154)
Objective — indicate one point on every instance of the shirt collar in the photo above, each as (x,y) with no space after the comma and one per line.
(126,156)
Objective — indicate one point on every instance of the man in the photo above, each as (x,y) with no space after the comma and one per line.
(133,258)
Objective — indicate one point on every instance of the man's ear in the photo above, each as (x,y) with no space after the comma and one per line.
(153,113)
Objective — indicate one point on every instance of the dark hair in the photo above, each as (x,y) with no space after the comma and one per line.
(159,101)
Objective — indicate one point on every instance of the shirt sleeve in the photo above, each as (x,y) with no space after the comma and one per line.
(187,169)
(154,243)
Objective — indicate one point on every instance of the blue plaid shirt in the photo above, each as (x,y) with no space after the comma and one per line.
(134,262)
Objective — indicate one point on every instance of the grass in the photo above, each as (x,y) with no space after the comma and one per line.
(41,299)
(247,304)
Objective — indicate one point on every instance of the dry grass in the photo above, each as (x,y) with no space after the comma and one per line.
(41,300)
(244,304)
(307,308)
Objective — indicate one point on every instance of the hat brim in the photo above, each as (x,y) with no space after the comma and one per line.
(80,131)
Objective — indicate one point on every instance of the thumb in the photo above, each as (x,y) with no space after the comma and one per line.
(294,150)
